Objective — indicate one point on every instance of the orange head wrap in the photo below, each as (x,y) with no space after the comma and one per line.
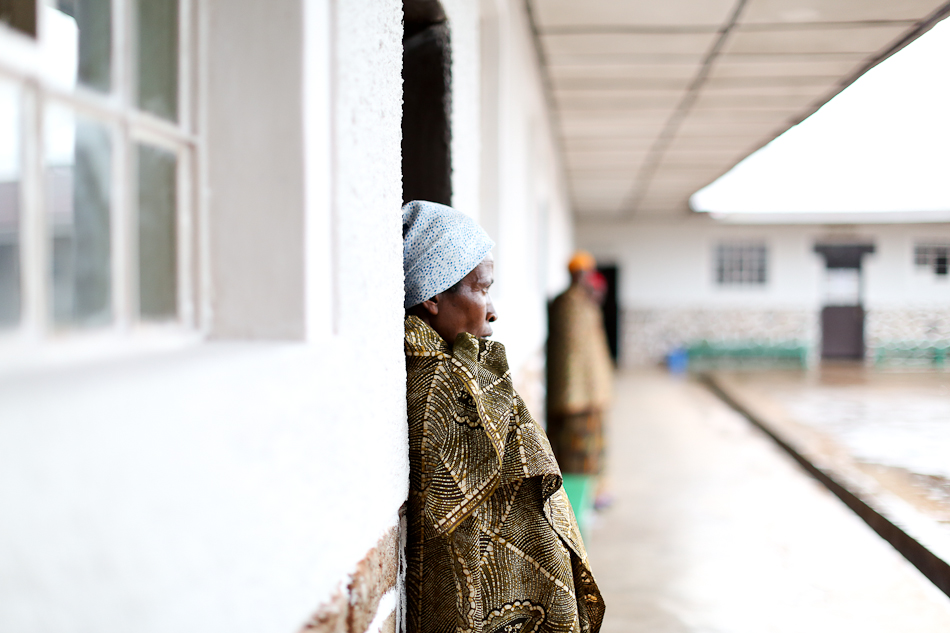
(582,260)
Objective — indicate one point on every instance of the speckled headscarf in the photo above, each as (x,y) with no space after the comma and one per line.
(439,247)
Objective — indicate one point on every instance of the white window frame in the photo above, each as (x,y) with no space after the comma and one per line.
(21,63)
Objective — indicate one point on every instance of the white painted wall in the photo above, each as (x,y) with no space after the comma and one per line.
(230,479)
(524,205)
(672,264)
(890,278)
(669,297)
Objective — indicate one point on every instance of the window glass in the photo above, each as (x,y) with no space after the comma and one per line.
(934,255)
(87,48)
(78,154)
(9,205)
(81,34)
(741,264)
(157,185)
(157,57)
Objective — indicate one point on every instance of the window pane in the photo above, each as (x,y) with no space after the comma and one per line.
(9,206)
(741,264)
(77,187)
(157,183)
(157,36)
(82,30)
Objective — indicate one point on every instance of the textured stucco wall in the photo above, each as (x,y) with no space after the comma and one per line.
(226,484)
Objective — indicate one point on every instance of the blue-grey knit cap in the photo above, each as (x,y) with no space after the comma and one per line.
(439,247)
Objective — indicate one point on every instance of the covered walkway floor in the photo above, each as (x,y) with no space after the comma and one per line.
(715,530)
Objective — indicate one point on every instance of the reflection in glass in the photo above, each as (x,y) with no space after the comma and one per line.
(77,180)
(157,184)
(157,59)
(89,22)
(9,206)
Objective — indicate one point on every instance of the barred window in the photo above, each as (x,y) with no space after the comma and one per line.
(932,255)
(741,264)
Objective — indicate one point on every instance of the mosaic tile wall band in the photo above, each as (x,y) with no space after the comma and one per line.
(647,335)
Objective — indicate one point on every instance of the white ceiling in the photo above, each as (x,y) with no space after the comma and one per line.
(655,100)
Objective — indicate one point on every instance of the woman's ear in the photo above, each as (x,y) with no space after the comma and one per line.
(431,305)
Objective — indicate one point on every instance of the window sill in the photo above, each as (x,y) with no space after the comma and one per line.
(22,354)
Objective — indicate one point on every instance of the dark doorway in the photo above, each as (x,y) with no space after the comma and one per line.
(427,103)
(611,310)
(842,313)
(842,332)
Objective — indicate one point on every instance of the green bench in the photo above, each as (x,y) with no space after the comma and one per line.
(709,354)
(912,353)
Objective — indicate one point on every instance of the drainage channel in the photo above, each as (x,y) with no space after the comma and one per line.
(930,565)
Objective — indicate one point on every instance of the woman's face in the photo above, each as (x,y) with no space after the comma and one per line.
(467,309)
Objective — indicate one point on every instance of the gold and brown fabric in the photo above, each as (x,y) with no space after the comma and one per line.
(579,381)
(492,545)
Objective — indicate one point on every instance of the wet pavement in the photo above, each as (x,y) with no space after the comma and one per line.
(894,426)
(715,530)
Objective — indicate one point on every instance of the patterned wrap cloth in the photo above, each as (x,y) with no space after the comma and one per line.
(579,381)
(492,546)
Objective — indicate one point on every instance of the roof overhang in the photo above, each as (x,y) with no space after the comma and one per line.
(655,100)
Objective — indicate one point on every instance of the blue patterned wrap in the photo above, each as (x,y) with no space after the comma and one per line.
(439,247)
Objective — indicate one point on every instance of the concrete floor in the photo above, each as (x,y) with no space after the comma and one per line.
(714,530)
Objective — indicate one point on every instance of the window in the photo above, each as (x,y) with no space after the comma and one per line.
(933,255)
(741,264)
(96,235)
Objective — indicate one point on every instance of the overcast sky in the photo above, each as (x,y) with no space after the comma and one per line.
(882,145)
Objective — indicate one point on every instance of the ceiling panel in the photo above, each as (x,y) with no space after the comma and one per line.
(572,13)
(700,160)
(606,145)
(770,84)
(733,116)
(620,72)
(772,102)
(564,84)
(593,128)
(617,99)
(779,66)
(583,45)
(865,39)
(599,211)
(771,11)
(616,189)
(624,161)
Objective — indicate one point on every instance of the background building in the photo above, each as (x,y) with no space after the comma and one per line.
(838,290)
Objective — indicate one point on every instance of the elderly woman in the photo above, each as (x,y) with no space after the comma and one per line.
(492,545)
